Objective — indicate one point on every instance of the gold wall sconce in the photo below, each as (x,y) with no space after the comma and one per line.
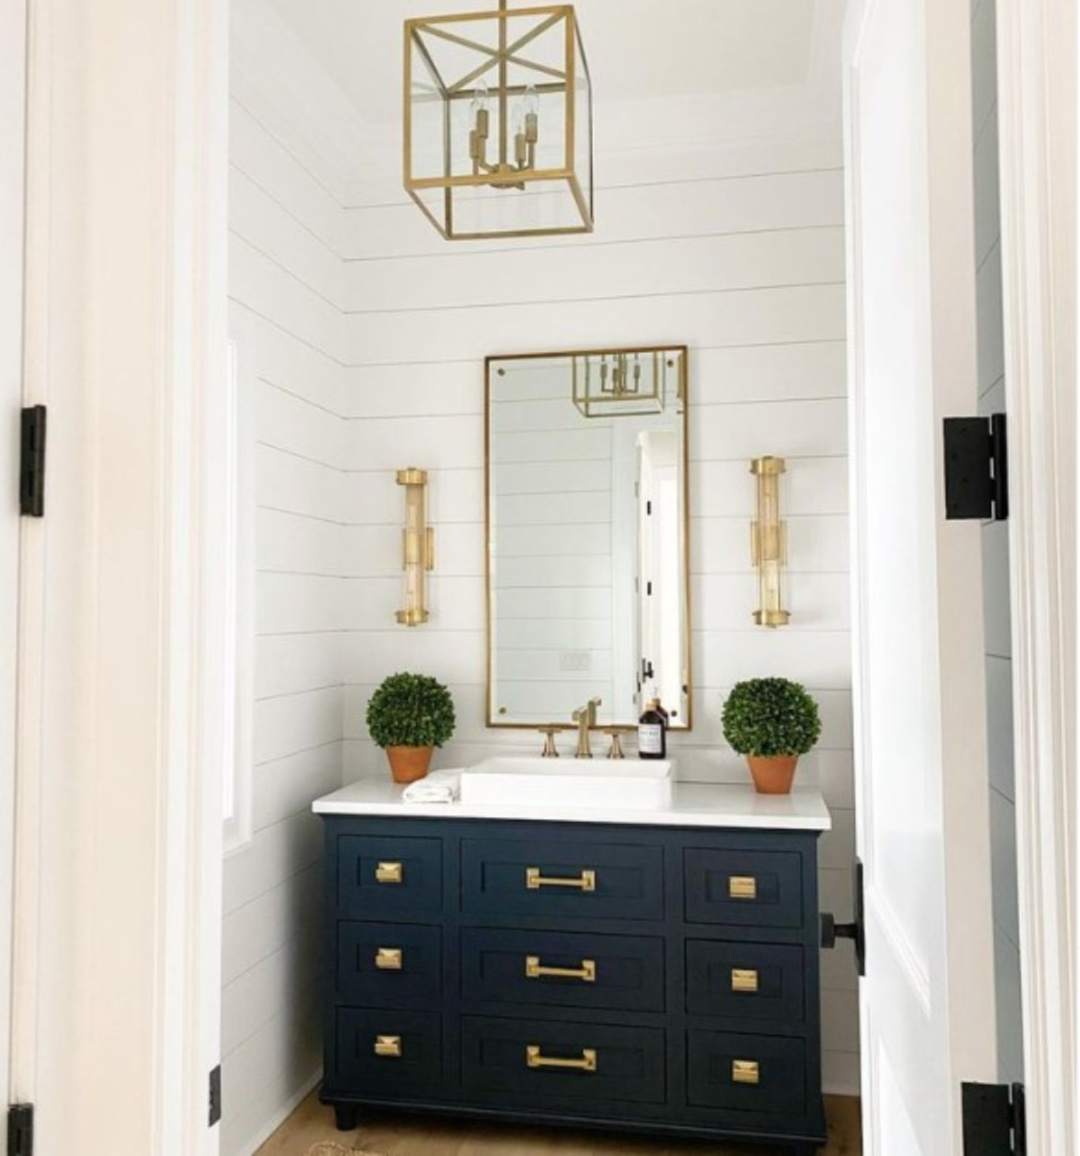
(418,547)
(768,546)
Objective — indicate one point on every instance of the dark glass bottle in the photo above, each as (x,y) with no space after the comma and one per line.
(652,733)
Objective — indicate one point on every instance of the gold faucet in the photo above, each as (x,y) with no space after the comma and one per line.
(585,717)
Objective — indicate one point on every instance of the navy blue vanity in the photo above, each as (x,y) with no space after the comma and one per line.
(657,976)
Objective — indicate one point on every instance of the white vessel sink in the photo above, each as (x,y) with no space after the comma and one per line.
(619,783)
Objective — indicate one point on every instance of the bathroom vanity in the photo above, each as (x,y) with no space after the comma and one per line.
(653,970)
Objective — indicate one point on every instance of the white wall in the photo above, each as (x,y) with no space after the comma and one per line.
(736,252)
(996,550)
(285,282)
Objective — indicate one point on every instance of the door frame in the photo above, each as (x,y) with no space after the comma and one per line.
(1037,102)
(121,696)
(13,44)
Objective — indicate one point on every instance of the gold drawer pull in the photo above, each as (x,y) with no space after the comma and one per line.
(742,887)
(744,980)
(536,1059)
(388,1046)
(745,1072)
(534,969)
(586,881)
(389,873)
(388,959)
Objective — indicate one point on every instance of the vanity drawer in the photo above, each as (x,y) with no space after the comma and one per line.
(749,981)
(744,888)
(394,877)
(563,969)
(390,1051)
(532,1061)
(562,880)
(389,963)
(747,1073)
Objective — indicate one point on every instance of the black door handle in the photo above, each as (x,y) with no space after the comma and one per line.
(831,931)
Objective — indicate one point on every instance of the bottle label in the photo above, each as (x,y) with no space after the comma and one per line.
(650,739)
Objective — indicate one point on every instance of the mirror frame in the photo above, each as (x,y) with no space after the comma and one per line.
(686,726)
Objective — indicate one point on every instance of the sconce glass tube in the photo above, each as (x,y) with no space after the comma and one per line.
(418,547)
(769,541)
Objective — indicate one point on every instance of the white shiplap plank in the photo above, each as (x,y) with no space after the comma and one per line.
(688,264)
(285,726)
(738,318)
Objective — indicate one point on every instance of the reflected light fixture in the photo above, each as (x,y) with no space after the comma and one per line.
(498,123)
(418,548)
(620,383)
(769,541)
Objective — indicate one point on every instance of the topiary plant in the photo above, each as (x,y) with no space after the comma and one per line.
(769,717)
(410,710)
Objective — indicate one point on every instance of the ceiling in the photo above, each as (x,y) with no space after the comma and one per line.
(637,49)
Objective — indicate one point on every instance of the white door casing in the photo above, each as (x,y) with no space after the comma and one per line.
(927,1003)
(1037,54)
(117,967)
(12,233)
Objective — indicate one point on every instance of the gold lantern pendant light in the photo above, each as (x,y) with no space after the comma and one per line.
(498,123)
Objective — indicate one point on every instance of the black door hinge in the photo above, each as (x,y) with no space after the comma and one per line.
(977,468)
(831,931)
(995,1122)
(20,1132)
(32,463)
(215,1095)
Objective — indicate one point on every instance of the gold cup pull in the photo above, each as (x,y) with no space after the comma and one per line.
(389,873)
(534,880)
(745,1072)
(742,887)
(744,980)
(534,969)
(388,1046)
(388,959)
(536,1059)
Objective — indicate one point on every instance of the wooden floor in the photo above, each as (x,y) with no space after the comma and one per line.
(400,1136)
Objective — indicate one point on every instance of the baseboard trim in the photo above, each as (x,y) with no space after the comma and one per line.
(279,1118)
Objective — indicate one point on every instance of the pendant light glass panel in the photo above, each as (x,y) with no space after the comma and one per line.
(498,127)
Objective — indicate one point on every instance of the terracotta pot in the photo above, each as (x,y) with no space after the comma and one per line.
(772,775)
(407,764)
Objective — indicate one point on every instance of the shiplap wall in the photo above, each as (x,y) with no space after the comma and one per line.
(285,285)
(996,552)
(738,253)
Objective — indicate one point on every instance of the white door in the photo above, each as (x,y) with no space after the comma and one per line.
(927,1002)
(12,137)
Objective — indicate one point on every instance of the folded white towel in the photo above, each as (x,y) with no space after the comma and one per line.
(438,787)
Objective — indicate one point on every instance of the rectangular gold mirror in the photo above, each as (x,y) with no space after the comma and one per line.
(588,542)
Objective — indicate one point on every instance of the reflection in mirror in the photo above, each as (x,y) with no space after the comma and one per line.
(588,590)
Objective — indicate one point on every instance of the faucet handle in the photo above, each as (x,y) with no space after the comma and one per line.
(551,751)
(615,751)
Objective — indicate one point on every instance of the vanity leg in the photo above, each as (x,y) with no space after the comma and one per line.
(345,1117)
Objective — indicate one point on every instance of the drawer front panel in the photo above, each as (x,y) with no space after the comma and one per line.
(392,964)
(398,877)
(394,1052)
(591,881)
(541,1063)
(750,981)
(747,1073)
(563,969)
(744,888)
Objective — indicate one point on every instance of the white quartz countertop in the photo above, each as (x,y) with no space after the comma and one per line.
(690,805)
